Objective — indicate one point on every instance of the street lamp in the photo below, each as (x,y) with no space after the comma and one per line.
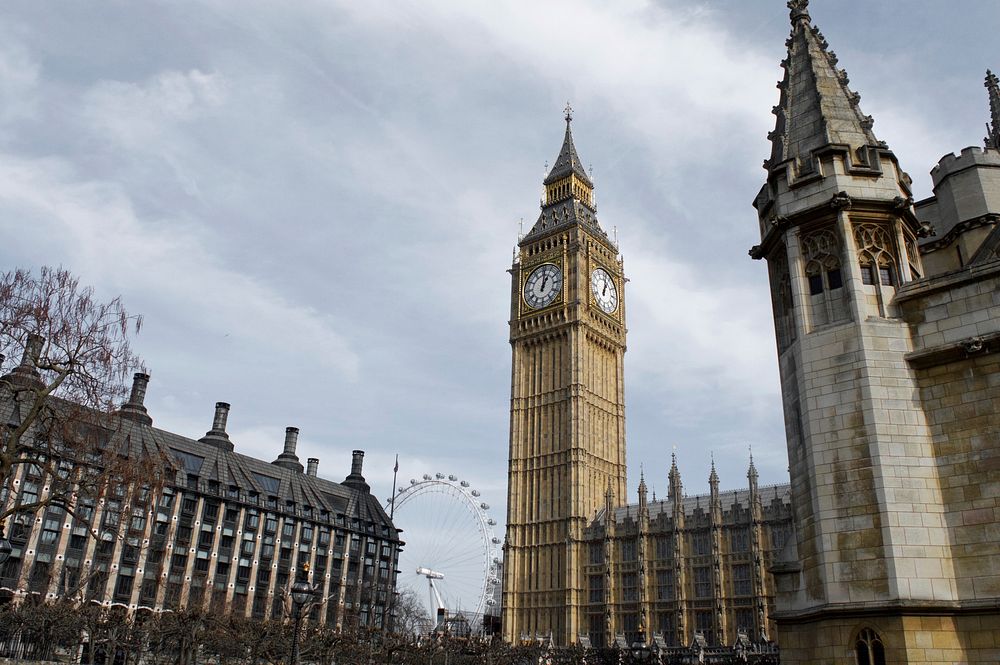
(640,650)
(5,548)
(302,593)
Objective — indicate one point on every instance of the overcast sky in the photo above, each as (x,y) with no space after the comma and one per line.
(314,203)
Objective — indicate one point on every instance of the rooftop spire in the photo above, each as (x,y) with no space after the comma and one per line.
(642,487)
(567,193)
(993,128)
(816,108)
(568,162)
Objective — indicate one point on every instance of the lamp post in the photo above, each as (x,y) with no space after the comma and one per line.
(5,548)
(302,593)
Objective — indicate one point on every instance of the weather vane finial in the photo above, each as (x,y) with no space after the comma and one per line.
(569,112)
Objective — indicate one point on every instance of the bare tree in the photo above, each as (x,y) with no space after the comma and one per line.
(411,615)
(59,447)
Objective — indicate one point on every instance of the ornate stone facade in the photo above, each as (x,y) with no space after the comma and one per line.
(567,427)
(887,342)
(580,565)
(684,567)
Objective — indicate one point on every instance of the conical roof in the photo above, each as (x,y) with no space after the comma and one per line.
(568,160)
(817,108)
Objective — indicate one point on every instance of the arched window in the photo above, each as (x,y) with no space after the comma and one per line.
(824,280)
(781,294)
(868,648)
(877,260)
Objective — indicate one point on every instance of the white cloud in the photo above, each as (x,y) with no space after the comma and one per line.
(19,74)
(93,229)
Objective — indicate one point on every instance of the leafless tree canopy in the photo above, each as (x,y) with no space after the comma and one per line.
(65,360)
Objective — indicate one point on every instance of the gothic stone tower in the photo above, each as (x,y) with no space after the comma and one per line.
(891,562)
(567,419)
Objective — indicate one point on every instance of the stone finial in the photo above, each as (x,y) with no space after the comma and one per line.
(993,127)
(643,492)
(675,488)
(798,11)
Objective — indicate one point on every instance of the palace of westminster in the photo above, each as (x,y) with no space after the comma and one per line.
(884,547)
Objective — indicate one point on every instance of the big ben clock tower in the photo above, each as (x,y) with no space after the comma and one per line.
(567,418)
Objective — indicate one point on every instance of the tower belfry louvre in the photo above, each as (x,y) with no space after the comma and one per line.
(567,429)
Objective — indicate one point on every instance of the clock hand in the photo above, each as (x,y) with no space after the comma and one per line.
(605,291)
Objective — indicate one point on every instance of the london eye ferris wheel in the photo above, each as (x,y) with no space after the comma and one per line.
(451,555)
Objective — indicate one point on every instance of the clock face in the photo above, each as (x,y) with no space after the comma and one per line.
(603,288)
(543,285)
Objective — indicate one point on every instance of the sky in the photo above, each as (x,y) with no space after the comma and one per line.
(314,203)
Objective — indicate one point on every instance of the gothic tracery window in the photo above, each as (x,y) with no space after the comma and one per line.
(876,258)
(913,257)
(868,648)
(781,289)
(824,280)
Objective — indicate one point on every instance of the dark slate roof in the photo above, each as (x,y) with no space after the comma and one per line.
(568,161)
(565,214)
(230,468)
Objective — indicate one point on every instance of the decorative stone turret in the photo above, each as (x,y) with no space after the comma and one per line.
(217,436)
(839,233)
(676,491)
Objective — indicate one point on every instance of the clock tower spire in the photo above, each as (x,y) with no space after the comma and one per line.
(567,427)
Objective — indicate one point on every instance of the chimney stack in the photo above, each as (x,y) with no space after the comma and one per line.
(291,439)
(288,459)
(134,409)
(312,466)
(26,374)
(217,436)
(221,417)
(356,480)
